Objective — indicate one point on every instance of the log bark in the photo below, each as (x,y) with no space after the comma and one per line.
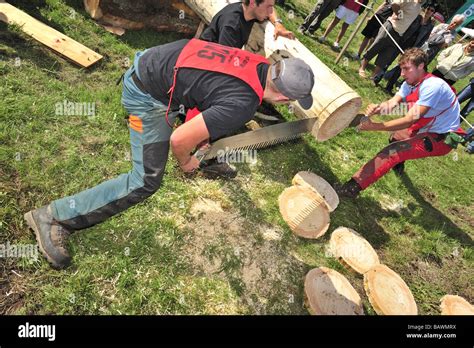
(160,15)
(318,185)
(335,103)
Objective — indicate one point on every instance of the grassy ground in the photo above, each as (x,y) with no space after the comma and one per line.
(202,246)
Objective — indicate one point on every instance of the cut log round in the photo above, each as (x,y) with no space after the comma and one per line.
(328,292)
(388,293)
(455,305)
(351,249)
(334,102)
(304,211)
(320,186)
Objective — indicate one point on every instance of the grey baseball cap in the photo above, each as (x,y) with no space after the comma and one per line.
(294,79)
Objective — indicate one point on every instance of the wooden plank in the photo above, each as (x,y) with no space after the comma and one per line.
(48,36)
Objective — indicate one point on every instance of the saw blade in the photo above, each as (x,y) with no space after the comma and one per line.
(260,138)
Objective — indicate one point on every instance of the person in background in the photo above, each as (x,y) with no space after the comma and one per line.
(467,94)
(348,11)
(442,36)
(232,25)
(416,39)
(455,62)
(404,13)
(320,12)
(372,28)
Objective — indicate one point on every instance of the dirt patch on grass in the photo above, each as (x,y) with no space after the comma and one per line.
(251,258)
(12,289)
(464,214)
(452,276)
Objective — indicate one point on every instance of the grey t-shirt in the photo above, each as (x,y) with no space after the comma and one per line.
(225,101)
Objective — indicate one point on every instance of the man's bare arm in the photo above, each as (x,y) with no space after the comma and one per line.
(185,139)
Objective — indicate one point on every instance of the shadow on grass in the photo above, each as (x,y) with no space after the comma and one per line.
(24,49)
(433,218)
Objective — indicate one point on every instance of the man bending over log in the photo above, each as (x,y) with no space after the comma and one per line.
(433,113)
(227,84)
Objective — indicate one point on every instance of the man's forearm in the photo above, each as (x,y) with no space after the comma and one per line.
(394,125)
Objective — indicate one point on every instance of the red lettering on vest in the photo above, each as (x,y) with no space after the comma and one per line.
(209,56)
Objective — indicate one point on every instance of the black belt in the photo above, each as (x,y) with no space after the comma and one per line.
(138,83)
(440,137)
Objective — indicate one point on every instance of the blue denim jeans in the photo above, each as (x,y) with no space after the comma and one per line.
(149,140)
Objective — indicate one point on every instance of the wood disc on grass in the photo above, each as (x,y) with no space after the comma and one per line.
(351,249)
(321,186)
(455,305)
(327,292)
(388,293)
(304,211)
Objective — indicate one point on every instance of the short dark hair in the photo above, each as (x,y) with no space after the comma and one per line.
(247,2)
(415,56)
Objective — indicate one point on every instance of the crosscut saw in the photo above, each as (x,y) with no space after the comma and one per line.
(260,138)
(264,137)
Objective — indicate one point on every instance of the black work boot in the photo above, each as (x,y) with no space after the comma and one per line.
(350,189)
(51,236)
(399,168)
(213,169)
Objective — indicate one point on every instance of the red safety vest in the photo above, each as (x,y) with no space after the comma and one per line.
(203,55)
(411,100)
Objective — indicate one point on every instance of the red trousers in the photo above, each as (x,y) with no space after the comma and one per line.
(404,147)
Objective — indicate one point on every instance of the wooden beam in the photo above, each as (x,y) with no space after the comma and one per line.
(48,36)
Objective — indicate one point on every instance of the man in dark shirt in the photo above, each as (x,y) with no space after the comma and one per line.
(232,25)
(226,84)
(412,38)
(320,12)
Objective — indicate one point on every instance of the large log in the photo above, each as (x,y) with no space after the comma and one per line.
(160,15)
(335,103)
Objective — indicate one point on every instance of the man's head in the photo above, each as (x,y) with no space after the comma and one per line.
(413,65)
(290,79)
(430,10)
(456,21)
(259,9)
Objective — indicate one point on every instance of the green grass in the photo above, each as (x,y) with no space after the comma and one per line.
(169,254)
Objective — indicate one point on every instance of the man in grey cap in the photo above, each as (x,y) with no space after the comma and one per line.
(226,84)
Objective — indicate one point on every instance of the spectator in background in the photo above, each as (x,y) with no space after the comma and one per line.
(416,39)
(455,62)
(320,12)
(373,26)
(404,13)
(348,11)
(441,36)
(465,94)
